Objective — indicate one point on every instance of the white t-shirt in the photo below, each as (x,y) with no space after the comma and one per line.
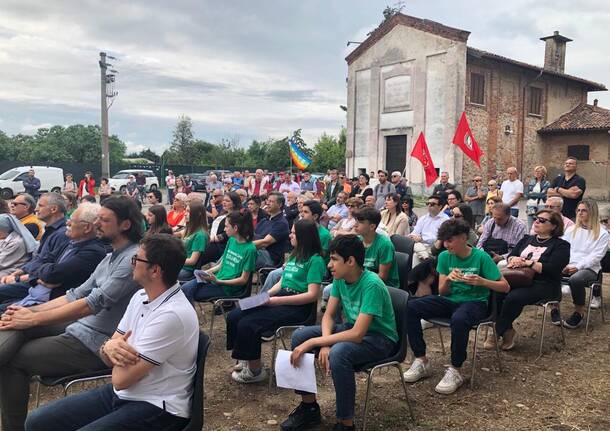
(510,190)
(165,332)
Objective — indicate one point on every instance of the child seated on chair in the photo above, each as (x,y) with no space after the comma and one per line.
(229,277)
(368,334)
(290,303)
(466,275)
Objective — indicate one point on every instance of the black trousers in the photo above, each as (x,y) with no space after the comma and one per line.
(510,305)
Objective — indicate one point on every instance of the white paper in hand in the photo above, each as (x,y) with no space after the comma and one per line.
(201,275)
(302,378)
(254,301)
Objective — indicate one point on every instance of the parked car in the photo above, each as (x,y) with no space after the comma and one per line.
(11,181)
(198,181)
(119,180)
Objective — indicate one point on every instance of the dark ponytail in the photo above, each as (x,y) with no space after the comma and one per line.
(243,221)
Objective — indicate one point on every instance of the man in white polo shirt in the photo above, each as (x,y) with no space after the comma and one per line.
(152,354)
(426,228)
(512,191)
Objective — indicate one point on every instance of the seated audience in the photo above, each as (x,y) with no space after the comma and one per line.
(555,203)
(466,275)
(363,189)
(604,221)
(368,333)
(369,201)
(105,190)
(588,246)
(254,207)
(489,205)
(271,235)
(152,354)
(16,245)
(214,207)
(153,197)
(182,187)
(338,211)
(24,207)
(290,302)
(547,254)
(291,209)
(71,203)
(196,238)
(91,199)
(218,236)
(392,217)
(454,198)
(65,270)
(501,233)
(175,216)
(347,225)
(230,276)
(406,204)
(424,233)
(464,212)
(41,343)
(156,218)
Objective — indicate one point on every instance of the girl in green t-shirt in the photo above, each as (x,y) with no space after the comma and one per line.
(291,302)
(195,236)
(231,274)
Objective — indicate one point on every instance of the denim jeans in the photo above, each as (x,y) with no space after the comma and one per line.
(195,291)
(463,316)
(264,260)
(272,278)
(11,293)
(344,358)
(100,409)
(578,281)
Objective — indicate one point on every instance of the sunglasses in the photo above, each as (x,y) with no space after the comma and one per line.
(541,220)
(604,221)
(431,204)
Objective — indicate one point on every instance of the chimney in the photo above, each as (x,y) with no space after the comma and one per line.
(555,52)
(594,102)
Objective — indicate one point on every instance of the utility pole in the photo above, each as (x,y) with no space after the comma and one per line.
(107,92)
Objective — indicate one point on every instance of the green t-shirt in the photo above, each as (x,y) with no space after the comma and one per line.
(381,252)
(325,239)
(195,242)
(298,275)
(237,258)
(478,263)
(369,295)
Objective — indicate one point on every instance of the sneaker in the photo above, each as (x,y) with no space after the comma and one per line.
(304,416)
(340,427)
(426,325)
(240,365)
(418,370)
(596,302)
(247,376)
(555,317)
(450,383)
(574,321)
(565,289)
(508,340)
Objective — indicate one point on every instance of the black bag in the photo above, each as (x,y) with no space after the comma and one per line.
(493,245)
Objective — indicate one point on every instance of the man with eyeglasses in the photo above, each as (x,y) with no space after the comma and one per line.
(570,186)
(36,340)
(338,211)
(425,231)
(475,197)
(215,206)
(555,204)
(24,207)
(65,270)
(400,185)
(153,197)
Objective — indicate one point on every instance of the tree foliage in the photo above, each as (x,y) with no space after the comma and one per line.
(330,152)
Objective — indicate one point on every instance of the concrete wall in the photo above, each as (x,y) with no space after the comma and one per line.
(408,82)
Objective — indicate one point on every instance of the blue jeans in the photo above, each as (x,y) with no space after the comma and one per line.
(272,278)
(264,260)
(344,358)
(11,293)
(100,409)
(201,292)
(463,316)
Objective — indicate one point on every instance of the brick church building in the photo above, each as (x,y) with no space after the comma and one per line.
(412,75)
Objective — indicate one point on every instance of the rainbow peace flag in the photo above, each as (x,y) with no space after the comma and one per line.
(299,158)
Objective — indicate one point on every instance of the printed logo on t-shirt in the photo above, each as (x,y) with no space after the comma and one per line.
(233,259)
(472,270)
(534,251)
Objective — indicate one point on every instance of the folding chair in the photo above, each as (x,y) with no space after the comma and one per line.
(67,381)
(399,304)
(196,421)
(404,244)
(545,304)
(264,272)
(595,287)
(489,321)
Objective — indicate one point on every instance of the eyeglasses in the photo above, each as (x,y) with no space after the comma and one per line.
(18,203)
(458,216)
(541,220)
(431,204)
(135,259)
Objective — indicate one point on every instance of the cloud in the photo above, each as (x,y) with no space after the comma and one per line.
(30,129)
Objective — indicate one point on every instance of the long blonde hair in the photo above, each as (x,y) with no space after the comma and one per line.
(594,226)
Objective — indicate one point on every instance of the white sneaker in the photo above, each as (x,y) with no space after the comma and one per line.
(450,383)
(596,302)
(418,370)
(426,325)
(246,376)
(565,289)
(240,365)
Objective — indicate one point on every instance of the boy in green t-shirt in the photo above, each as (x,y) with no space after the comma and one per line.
(368,334)
(466,275)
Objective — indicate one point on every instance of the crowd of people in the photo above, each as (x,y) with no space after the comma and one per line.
(88,285)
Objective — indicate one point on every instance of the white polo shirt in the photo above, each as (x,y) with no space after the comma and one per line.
(165,332)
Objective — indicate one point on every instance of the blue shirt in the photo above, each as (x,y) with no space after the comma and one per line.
(277,227)
(52,245)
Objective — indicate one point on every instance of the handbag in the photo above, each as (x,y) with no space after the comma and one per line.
(518,277)
(497,246)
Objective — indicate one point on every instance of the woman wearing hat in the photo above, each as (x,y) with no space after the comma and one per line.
(16,244)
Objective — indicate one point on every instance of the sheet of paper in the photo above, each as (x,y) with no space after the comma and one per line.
(201,275)
(254,301)
(302,378)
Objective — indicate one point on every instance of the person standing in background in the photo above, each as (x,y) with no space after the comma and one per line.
(170,183)
(512,191)
(475,197)
(31,184)
(86,186)
(570,186)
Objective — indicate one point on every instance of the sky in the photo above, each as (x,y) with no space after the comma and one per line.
(242,69)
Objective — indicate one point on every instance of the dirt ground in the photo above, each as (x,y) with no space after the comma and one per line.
(567,389)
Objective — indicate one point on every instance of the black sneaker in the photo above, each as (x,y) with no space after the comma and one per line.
(304,416)
(555,317)
(574,321)
(340,427)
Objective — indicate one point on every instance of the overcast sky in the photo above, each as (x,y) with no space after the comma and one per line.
(242,69)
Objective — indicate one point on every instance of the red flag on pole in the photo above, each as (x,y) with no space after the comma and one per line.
(421,153)
(464,139)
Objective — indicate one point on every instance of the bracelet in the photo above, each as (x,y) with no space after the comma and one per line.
(102,347)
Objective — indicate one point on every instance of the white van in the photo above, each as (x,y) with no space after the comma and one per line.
(11,181)
(119,180)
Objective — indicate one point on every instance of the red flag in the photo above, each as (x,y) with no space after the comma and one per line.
(421,153)
(464,139)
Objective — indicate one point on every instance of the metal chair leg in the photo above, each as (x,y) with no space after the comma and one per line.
(404,387)
(474,357)
(497,347)
(589,311)
(272,370)
(601,298)
(563,335)
(542,331)
(37,394)
(369,381)
(440,336)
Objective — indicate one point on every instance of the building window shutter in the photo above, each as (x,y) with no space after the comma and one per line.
(477,88)
(535,101)
(579,152)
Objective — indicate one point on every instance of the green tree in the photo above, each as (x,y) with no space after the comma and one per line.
(329,152)
(181,147)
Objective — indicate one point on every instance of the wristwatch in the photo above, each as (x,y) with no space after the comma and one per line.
(531,264)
